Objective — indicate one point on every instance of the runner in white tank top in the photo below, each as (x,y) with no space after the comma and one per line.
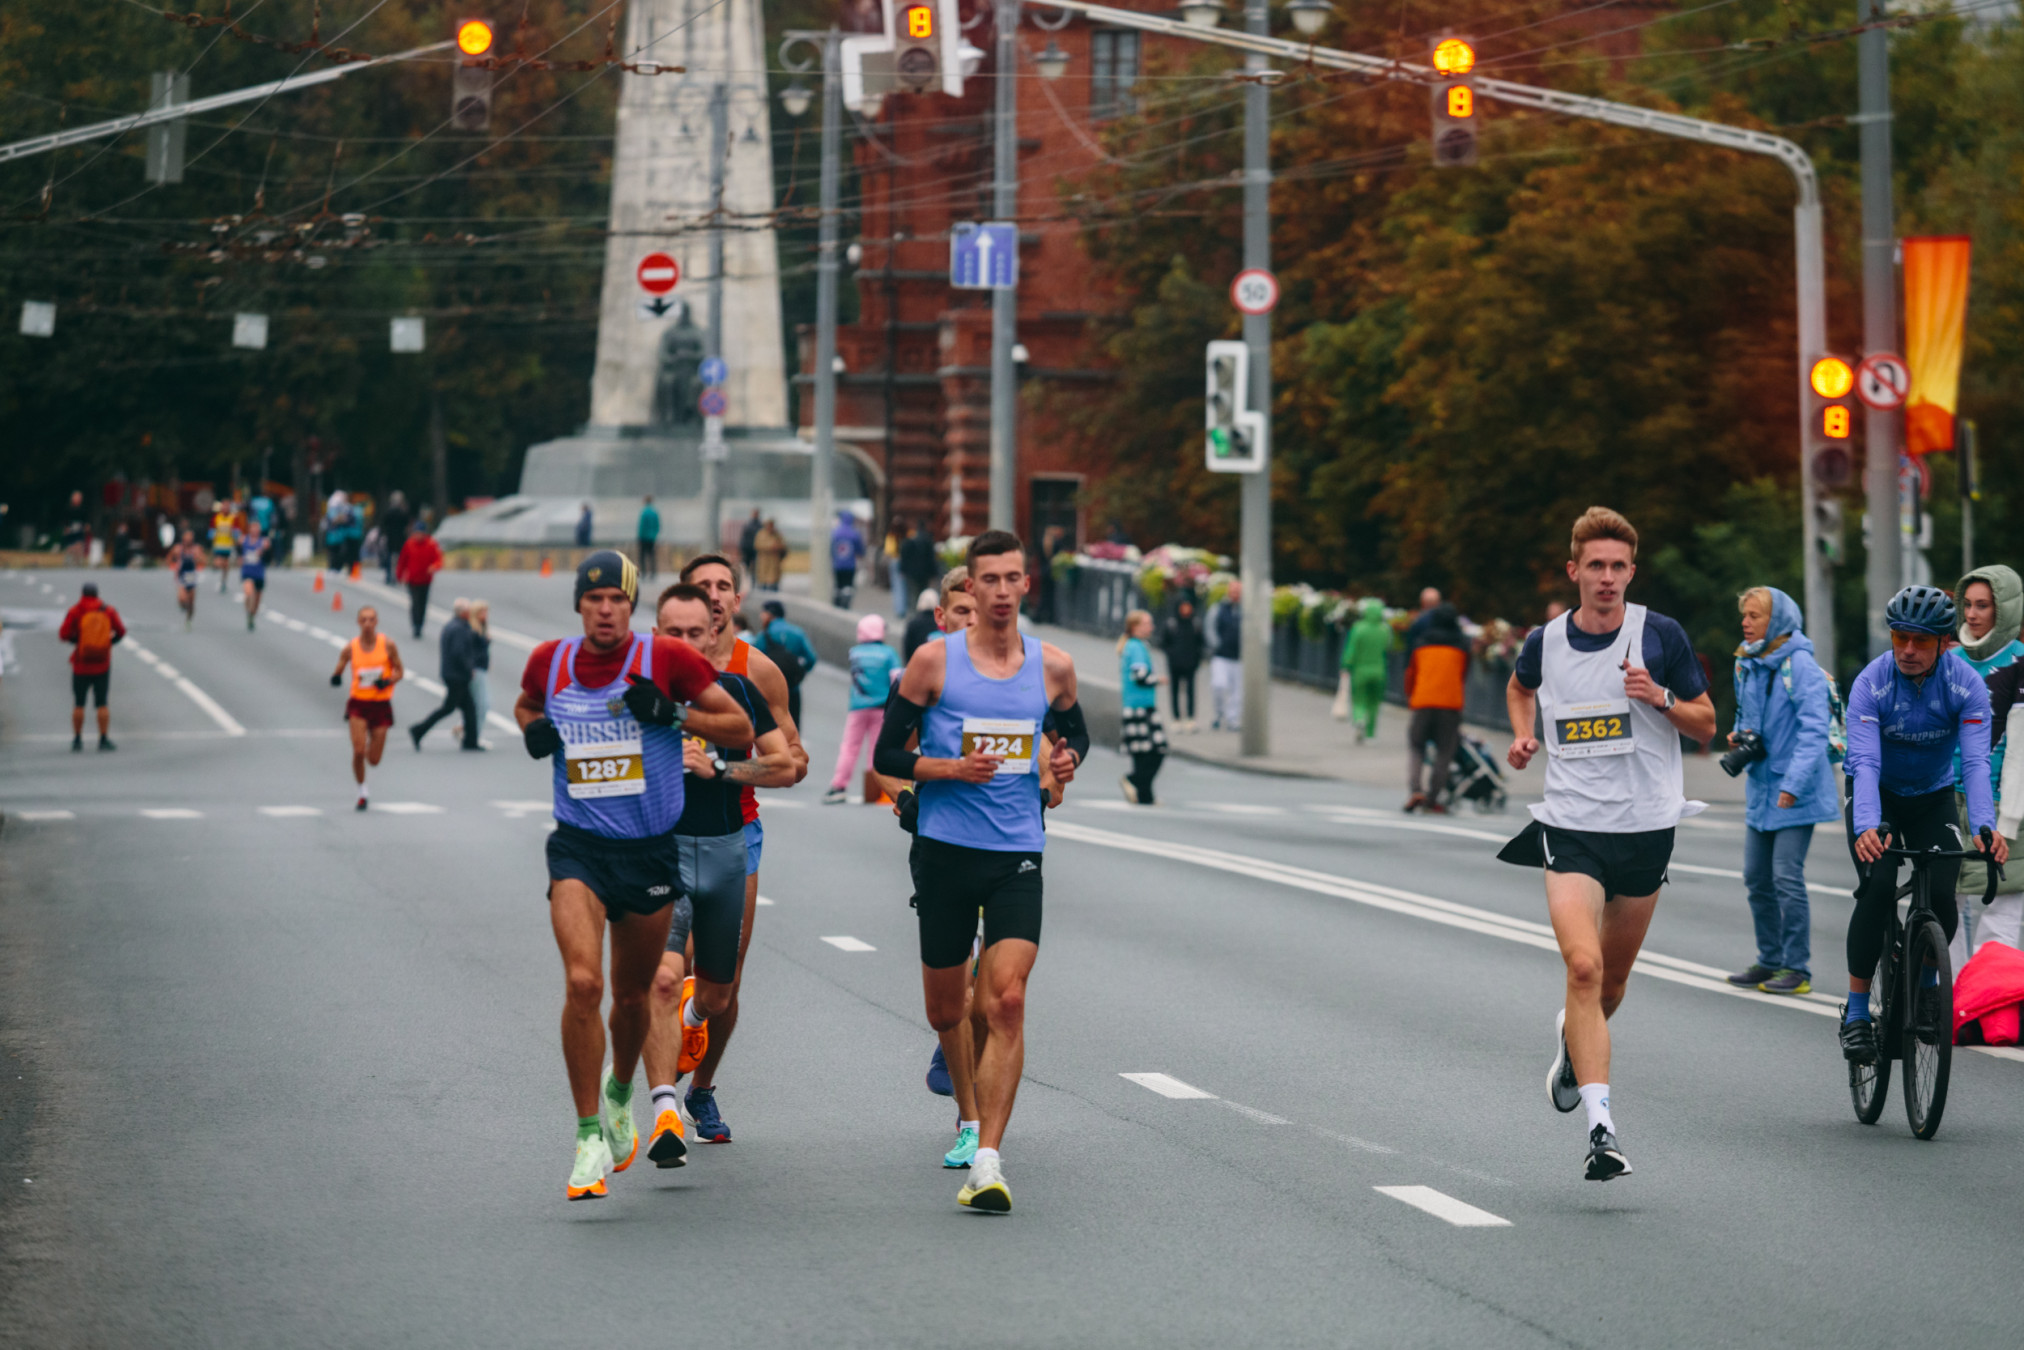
(1614,687)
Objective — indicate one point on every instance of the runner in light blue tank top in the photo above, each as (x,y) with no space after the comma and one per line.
(614,777)
(1002,815)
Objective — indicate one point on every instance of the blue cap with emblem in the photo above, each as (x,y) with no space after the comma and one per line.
(607,569)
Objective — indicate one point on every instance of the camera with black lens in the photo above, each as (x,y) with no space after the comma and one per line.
(1749,748)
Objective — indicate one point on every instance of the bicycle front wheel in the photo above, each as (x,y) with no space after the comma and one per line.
(1928,1023)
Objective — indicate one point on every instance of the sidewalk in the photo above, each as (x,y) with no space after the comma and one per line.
(1306,742)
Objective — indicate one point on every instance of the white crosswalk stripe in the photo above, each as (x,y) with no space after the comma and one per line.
(850,944)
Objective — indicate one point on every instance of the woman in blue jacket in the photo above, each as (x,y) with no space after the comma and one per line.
(1144,741)
(1781,694)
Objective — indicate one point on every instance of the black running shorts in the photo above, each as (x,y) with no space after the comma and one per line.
(631,876)
(713,879)
(951,883)
(95,685)
(1626,864)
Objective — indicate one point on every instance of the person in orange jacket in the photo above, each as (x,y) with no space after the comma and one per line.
(92,626)
(421,558)
(1434,675)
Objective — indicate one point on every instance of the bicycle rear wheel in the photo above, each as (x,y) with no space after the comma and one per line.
(1869,1084)
(1928,1023)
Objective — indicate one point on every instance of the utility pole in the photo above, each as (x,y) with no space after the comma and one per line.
(1881,430)
(1255,545)
(821,581)
(1005,302)
(713,427)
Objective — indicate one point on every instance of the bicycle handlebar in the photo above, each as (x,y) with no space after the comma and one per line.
(1994,869)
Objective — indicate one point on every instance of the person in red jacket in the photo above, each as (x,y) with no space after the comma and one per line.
(421,558)
(1434,676)
(92,627)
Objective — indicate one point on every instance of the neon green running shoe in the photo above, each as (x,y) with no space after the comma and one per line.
(615,1116)
(965,1149)
(593,1159)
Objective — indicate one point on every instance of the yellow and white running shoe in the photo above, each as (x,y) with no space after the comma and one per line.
(593,1160)
(621,1136)
(986,1189)
(668,1147)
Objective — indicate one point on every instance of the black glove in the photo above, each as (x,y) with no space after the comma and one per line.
(647,703)
(336,679)
(542,738)
(382,683)
(910,810)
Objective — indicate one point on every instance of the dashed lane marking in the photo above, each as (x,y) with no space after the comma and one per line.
(1442,1206)
(408,808)
(765,900)
(1252,1112)
(171,813)
(521,810)
(1168,1086)
(290,812)
(47,815)
(1239,808)
(850,944)
(226,722)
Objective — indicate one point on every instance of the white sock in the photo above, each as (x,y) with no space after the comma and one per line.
(664,1098)
(692,1014)
(361,791)
(969,1125)
(1595,1097)
(987,1155)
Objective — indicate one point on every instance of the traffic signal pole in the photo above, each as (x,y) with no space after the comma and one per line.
(1005,300)
(821,579)
(1887,569)
(1254,547)
(1812,295)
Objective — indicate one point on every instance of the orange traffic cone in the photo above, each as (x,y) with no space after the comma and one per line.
(547,567)
(318,587)
(336,601)
(875,791)
(354,571)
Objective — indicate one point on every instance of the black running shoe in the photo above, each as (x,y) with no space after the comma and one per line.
(1605,1160)
(1754,976)
(1858,1040)
(1561,1089)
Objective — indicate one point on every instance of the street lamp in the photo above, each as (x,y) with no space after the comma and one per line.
(1053,63)
(1201,13)
(795,98)
(1310,16)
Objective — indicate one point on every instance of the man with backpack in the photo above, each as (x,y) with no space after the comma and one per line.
(92,627)
(787,647)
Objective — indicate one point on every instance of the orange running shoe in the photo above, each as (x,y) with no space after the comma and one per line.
(695,1040)
(668,1148)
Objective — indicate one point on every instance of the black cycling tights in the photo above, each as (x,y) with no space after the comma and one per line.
(1922,822)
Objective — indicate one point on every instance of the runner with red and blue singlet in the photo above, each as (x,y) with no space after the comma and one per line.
(610,708)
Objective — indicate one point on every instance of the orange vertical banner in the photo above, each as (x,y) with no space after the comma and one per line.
(1936,331)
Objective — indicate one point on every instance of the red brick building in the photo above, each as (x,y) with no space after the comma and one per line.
(914,399)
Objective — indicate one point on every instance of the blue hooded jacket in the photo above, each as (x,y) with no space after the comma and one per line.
(1793,725)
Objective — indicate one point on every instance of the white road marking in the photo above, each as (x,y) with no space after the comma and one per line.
(765,900)
(521,810)
(48,815)
(323,633)
(1443,1206)
(1352,1141)
(226,722)
(850,944)
(290,812)
(171,813)
(409,809)
(442,615)
(1262,1117)
(1168,1086)
(1235,808)
(779,804)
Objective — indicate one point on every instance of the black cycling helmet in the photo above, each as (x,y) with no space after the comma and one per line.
(1921,609)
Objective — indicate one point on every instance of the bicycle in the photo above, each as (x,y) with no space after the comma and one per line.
(1914,1020)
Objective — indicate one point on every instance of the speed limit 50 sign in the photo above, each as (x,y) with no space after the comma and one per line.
(1255,291)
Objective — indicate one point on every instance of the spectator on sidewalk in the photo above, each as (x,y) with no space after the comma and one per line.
(1181,640)
(1430,600)
(1226,661)
(770,548)
(394,524)
(788,648)
(1991,601)
(585,527)
(873,668)
(1143,739)
(76,533)
(92,627)
(748,543)
(649,537)
(896,581)
(481,663)
(455,645)
(846,550)
(1053,541)
(1434,681)
(421,558)
(1363,659)
(918,563)
(921,625)
(1781,696)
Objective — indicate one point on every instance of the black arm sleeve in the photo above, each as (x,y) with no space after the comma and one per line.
(891,756)
(1073,730)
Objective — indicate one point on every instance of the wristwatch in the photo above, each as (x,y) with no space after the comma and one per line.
(717,763)
(1671,699)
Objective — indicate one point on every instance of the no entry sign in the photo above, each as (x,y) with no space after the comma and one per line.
(658,274)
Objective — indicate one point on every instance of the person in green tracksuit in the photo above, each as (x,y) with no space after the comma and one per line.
(1370,638)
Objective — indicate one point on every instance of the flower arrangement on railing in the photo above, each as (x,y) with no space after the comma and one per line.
(1172,567)
(953,552)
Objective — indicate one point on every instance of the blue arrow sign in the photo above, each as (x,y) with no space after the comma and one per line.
(984,257)
(714,371)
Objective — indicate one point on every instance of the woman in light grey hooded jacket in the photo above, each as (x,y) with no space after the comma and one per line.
(1991,605)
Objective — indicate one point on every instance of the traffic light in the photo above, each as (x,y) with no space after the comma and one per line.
(1454,100)
(1830,421)
(1827,530)
(920,47)
(470,81)
(1236,436)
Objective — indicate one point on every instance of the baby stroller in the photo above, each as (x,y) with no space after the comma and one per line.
(1473,776)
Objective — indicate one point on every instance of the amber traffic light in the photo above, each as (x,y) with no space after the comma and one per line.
(1836,422)
(1454,102)
(1831,377)
(1454,56)
(474,37)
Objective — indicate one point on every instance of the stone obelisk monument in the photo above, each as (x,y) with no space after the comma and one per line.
(661,201)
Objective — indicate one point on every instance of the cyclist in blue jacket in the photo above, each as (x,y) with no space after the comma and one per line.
(1907,713)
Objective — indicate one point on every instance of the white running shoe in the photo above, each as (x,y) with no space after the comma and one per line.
(593,1160)
(986,1189)
(1561,1089)
(621,1136)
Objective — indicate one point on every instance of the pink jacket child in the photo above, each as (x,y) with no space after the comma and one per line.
(1987,993)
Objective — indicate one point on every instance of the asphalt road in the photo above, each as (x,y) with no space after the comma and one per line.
(276,1073)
